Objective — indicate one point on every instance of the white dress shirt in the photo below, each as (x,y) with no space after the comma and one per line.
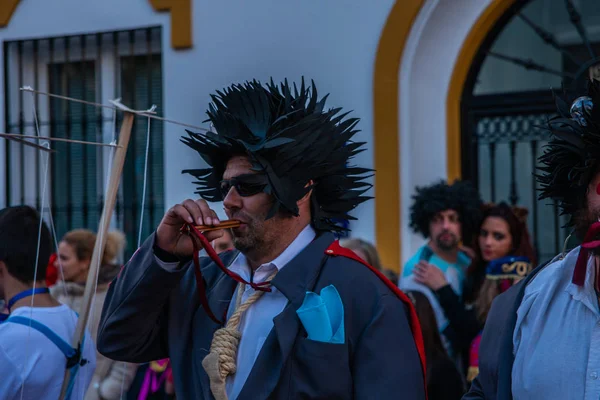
(257,321)
(557,336)
(30,361)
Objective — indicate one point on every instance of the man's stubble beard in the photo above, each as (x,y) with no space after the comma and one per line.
(447,246)
(254,237)
(249,240)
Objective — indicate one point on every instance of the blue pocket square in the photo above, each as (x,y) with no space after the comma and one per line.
(323,316)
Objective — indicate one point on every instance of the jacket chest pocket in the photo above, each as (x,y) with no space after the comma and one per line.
(320,371)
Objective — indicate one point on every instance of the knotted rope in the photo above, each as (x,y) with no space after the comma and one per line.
(221,360)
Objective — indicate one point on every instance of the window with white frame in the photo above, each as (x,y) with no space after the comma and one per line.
(95,67)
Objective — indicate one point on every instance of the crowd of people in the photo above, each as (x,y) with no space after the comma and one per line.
(282,309)
(473,252)
(65,276)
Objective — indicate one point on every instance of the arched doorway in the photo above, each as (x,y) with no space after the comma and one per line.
(435,72)
(536,46)
(417,103)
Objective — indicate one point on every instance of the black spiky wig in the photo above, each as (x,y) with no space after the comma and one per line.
(461,196)
(291,139)
(572,156)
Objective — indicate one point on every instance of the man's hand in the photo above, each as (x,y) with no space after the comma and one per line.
(429,275)
(168,235)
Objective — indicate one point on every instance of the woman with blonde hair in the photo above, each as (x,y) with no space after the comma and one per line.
(364,250)
(111,378)
(368,252)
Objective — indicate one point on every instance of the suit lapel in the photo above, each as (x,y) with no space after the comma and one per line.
(219,298)
(298,277)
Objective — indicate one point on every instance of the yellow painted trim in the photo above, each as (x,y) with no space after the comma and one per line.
(385,130)
(181,20)
(7,8)
(486,21)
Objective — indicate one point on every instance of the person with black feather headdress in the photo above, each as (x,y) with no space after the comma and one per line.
(541,336)
(289,313)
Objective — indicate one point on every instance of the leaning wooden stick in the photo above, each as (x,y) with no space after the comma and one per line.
(26,143)
(223,225)
(19,136)
(109,205)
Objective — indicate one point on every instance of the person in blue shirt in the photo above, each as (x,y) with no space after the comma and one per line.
(37,331)
(446,215)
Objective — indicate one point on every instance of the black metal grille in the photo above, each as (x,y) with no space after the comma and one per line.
(504,139)
(94,67)
(511,128)
(501,141)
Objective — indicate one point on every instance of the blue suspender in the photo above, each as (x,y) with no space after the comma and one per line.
(26,293)
(22,295)
(74,360)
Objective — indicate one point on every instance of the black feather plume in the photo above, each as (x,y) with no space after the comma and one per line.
(461,197)
(572,156)
(291,138)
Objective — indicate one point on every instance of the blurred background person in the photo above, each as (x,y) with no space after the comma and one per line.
(368,252)
(223,243)
(505,247)
(503,240)
(154,381)
(444,381)
(446,216)
(75,249)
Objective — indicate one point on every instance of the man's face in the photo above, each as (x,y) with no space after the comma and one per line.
(223,243)
(586,217)
(255,233)
(444,230)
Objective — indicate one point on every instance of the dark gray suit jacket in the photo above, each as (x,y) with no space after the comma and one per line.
(496,359)
(152,314)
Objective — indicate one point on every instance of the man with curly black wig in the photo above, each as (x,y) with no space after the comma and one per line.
(289,314)
(446,215)
(541,336)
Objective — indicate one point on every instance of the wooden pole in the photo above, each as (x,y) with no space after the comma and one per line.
(109,205)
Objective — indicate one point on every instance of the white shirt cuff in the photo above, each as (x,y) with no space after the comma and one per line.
(167,266)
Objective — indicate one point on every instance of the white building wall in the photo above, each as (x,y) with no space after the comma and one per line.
(42,19)
(427,65)
(332,42)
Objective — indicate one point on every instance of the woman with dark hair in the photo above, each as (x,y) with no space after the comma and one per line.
(503,232)
(506,256)
(503,241)
(444,381)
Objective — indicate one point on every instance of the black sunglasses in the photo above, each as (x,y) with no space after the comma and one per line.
(245,185)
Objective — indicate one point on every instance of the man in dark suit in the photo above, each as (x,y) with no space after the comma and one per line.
(541,337)
(302,317)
